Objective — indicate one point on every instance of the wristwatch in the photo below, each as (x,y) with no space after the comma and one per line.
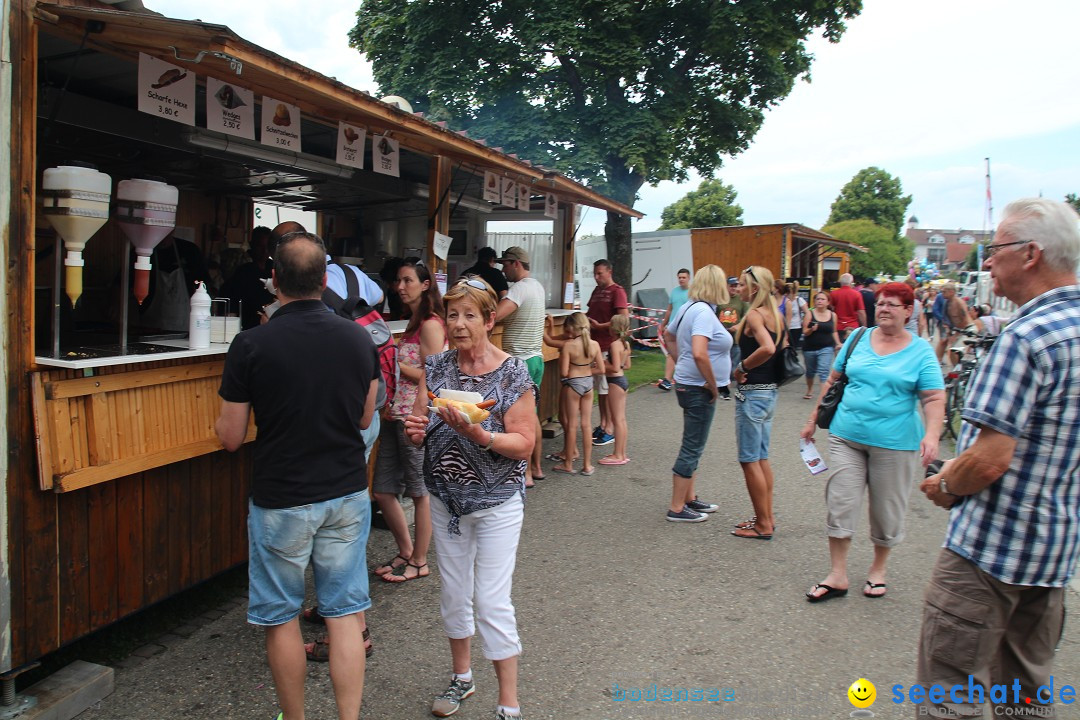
(944,488)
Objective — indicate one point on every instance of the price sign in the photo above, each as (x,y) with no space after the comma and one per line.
(509,193)
(230,109)
(280,124)
(350,145)
(523,197)
(385,156)
(492,188)
(166,90)
(551,206)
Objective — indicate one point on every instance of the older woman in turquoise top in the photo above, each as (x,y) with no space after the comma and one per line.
(877,440)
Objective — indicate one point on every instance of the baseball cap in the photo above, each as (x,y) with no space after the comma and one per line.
(515,252)
(733,280)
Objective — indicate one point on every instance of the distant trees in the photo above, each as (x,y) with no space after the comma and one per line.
(1074,200)
(711,205)
(874,195)
(887,253)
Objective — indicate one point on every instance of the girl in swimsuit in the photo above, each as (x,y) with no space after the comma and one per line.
(618,359)
(576,363)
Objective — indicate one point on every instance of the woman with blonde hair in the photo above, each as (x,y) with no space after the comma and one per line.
(475,473)
(761,333)
(577,363)
(617,360)
(701,346)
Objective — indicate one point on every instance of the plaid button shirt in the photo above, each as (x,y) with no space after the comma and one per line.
(1024,529)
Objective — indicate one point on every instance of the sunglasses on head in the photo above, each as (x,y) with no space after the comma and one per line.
(750,271)
(473,283)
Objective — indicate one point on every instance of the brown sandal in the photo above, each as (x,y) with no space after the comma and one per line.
(320,648)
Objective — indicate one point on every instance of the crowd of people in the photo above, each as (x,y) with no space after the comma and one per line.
(1013,490)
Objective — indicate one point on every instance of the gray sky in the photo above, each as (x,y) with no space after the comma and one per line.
(925,89)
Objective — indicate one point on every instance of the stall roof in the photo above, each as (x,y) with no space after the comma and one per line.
(819,238)
(225,54)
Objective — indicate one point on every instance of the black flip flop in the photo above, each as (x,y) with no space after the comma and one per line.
(758,535)
(830,592)
(873,586)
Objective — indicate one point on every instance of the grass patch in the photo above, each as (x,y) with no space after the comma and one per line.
(646,367)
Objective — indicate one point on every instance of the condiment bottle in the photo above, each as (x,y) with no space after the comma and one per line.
(199,320)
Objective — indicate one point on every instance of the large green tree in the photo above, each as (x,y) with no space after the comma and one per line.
(614,93)
(887,253)
(711,205)
(1074,200)
(874,195)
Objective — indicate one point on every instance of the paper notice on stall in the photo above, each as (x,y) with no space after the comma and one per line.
(810,456)
(385,156)
(166,90)
(442,245)
(551,206)
(440,281)
(492,191)
(509,193)
(568,294)
(230,109)
(523,197)
(280,124)
(350,145)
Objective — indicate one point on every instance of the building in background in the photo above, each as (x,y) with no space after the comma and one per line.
(948,249)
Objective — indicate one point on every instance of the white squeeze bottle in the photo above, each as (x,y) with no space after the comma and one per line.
(199,320)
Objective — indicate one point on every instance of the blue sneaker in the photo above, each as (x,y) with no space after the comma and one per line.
(603,439)
(664,384)
(597,432)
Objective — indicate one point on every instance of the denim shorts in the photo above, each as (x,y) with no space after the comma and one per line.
(332,535)
(819,362)
(698,409)
(753,424)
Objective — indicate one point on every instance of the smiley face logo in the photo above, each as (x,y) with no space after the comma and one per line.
(862,693)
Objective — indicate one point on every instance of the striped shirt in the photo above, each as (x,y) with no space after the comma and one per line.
(1024,529)
(523,331)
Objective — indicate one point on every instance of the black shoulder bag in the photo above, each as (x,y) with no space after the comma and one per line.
(827,409)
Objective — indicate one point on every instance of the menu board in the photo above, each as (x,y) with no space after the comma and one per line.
(509,193)
(385,156)
(492,190)
(280,124)
(230,109)
(551,206)
(166,90)
(350,145)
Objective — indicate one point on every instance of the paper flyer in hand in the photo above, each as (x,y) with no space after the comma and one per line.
(810,456)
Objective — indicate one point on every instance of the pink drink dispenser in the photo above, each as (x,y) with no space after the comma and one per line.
(76,204)
(146,211)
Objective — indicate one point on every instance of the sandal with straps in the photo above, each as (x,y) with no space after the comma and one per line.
(320,648)
(399,576)
(390,566)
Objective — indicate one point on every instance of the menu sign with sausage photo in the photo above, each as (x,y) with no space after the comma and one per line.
(166,90)
(509,193)
(350,145)
(280,124)
(230,109)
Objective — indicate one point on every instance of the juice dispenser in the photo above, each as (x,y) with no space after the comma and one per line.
(146,211)
(76,204)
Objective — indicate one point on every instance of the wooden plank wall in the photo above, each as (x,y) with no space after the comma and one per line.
(94,555)
(736,248)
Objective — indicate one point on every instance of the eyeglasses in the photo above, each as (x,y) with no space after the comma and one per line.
(750,271)
(473,283)
(992,250)
(888,305)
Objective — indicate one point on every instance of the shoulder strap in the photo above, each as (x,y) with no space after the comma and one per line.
(858,337)
(686,309)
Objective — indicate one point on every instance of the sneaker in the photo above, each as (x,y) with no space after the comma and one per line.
(702,507)
(449,702)
(664,384)
(725,393)
(603,439)
(686,515)
(597,432)
(501,714)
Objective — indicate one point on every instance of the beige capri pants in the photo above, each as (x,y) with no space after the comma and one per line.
(888,475)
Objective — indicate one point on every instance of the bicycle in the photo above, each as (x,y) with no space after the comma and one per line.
(957,379)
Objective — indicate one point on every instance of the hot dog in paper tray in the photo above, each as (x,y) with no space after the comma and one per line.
(471,407)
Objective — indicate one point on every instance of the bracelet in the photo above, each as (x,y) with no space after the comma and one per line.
(491,442)
(740,368)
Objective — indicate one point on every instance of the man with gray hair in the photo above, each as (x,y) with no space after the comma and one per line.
(995,606)
(849,307)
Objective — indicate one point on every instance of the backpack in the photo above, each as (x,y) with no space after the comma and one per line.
(354,307)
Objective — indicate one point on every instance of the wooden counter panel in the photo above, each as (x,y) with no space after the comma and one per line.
(94,429)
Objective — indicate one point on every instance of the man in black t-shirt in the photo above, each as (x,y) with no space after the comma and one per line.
(311,379)
(485,268)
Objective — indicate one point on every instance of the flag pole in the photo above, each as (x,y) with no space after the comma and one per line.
(988,217)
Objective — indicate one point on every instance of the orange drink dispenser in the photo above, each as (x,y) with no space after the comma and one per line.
(146,211)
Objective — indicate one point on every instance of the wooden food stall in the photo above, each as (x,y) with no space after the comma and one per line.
(117,491)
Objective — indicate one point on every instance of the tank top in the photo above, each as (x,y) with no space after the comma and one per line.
(763,374)
(822,337)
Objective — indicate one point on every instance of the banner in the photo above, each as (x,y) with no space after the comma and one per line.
(166,90)
(350,145)
(280,124)
(230,109)
(385,157)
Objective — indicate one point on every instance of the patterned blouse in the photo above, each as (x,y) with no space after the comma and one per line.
(459,472)
(408,353)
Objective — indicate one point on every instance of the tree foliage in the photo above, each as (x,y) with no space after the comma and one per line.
(874,195)
(612,93)
(888,253)
(1074,200)
(711,205)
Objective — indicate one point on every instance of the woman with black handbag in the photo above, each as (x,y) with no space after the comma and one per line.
(877,440)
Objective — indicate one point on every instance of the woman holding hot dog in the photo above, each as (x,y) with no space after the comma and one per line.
(476,476)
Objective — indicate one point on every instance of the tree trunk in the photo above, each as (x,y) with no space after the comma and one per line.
(623,188)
